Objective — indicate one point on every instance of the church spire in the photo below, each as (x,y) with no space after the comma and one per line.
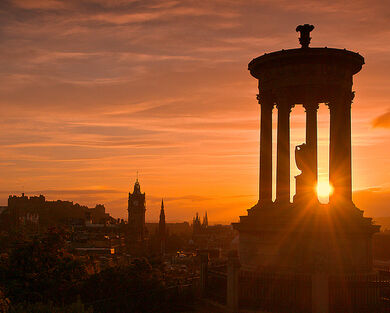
(205,221)
(162,214)
(162,228)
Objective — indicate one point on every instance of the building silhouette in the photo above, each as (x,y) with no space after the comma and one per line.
(162,231)
(136,214)
(205,222)
(37,213)
(199,227)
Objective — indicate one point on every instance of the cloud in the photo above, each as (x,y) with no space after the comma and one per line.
(66,192)
(39,4)
(373,201)
(192,198)
(382,121)
(162,14)
(93,90)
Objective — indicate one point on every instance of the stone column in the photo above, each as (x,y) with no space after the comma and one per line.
(311,142)
(283,153)
(340,156)
(233,275)
(204,260)
(320,293)
(265,177)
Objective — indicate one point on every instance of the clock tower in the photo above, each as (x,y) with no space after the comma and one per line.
(136,210)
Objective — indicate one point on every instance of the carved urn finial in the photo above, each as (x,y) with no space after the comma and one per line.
(305,38)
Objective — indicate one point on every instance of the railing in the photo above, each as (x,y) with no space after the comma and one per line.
(297,293)
(359,294)
(385,289)
(177,298)
(273,292)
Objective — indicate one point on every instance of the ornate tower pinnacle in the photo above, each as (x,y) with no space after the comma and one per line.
(305,38)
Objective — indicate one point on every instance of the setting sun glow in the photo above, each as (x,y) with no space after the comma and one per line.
(99,61)
(324,189)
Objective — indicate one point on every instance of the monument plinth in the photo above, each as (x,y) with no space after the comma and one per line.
(305,236)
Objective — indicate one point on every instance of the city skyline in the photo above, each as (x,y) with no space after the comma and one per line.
(162,88)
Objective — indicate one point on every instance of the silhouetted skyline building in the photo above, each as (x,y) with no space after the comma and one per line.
(136,213)
(205,222)
(162,231)
(199,227)
(35,211)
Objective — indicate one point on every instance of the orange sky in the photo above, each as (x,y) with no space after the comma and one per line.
(92,91)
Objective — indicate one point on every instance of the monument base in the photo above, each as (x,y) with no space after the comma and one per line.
(306,237)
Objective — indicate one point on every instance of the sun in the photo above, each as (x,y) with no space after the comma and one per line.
(324,189)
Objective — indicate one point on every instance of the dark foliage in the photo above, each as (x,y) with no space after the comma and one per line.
(135,288)
(40,276)
(41,271)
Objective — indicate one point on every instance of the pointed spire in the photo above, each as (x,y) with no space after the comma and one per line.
(162,213)
(162,228)
(162,221)
(205,221)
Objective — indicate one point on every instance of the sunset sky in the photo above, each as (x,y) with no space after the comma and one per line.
(92,91)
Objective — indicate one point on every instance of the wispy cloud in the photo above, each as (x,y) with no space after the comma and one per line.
(382,121)
(93,90)
(374,201)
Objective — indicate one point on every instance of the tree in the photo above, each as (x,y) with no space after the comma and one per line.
(42,271)
(134,288)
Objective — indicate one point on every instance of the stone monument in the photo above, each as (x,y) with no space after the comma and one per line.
(306,236)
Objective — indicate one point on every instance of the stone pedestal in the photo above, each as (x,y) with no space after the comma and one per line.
(320,293)
(296,238)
